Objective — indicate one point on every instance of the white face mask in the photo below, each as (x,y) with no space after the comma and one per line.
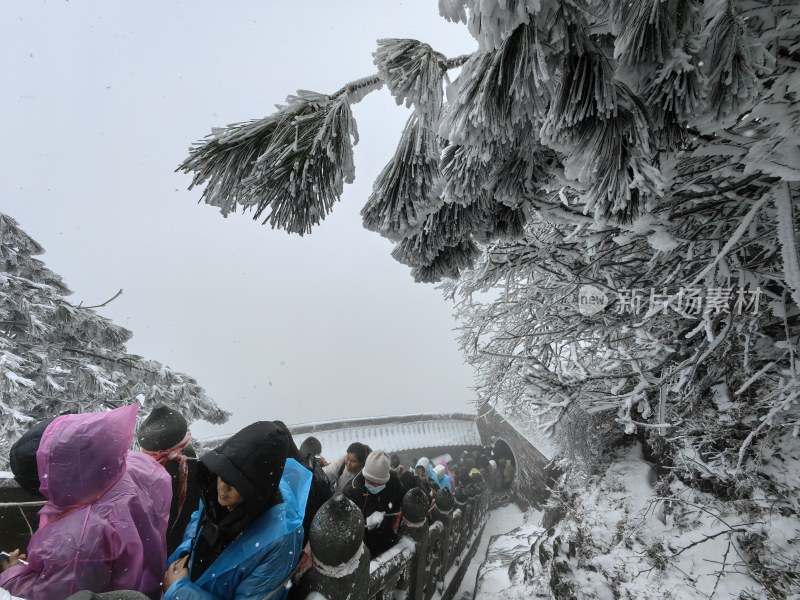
(372,489)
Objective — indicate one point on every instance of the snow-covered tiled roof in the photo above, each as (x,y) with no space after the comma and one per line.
(396,437)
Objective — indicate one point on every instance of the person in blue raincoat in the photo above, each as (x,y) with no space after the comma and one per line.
(441,478)
(247,536)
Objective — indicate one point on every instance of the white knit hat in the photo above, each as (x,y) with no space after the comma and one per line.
(377,467)
(439,470)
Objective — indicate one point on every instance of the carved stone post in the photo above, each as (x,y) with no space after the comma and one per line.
(340,568)
(463,504)
(472,498)
(443,507)
(415,527)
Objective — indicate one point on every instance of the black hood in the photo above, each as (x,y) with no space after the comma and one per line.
(292,451)
(162,429)
(22,457)
(252,461)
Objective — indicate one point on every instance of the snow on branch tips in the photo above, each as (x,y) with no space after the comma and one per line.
(673,94)
(407,189)
(449,263)
(499,94)
(448,226)
(490,22)
(293,164)
(736,58)
(414,73)
(647,33)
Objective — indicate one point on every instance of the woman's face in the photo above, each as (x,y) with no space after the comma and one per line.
(421,471)
(352,463)
(227,495)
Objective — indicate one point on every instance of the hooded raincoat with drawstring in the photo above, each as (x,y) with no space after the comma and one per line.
(104,525)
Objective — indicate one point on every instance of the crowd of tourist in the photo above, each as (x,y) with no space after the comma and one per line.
(161,523)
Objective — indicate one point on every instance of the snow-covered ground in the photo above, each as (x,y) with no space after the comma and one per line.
(500,521)
(626,536)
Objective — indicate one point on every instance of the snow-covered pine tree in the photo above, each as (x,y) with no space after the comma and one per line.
(56,357)
(649,149)
(629,145)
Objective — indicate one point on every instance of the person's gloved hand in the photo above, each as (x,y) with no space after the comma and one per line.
(374,519)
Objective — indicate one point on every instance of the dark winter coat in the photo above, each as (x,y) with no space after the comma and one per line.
(321,491)
(178,522)
(249,551)
(252,461)
(258,562)
(389,500)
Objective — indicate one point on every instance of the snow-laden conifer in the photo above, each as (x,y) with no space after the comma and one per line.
(489,22)
(499,94)
(649,150)
(646,34)
(448,226)
(56,357)
(736,57)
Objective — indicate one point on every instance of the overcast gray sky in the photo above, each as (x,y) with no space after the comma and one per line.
(99,103)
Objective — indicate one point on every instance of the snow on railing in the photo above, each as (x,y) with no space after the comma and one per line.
(391,433)
(429,561)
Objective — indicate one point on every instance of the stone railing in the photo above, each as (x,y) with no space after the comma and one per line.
(18,515)
(430,559)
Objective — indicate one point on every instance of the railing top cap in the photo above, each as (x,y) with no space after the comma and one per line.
(415,505)
(337,531)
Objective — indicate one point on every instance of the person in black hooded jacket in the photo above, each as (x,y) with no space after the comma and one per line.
(164,435)
(377,490)
(247,537)
(22,458)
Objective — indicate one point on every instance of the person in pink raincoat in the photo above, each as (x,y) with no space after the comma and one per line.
(104,525)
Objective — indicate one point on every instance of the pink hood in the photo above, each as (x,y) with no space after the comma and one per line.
(82,456)
(104,525)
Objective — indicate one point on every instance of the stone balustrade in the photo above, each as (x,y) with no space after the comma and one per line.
(436,546)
